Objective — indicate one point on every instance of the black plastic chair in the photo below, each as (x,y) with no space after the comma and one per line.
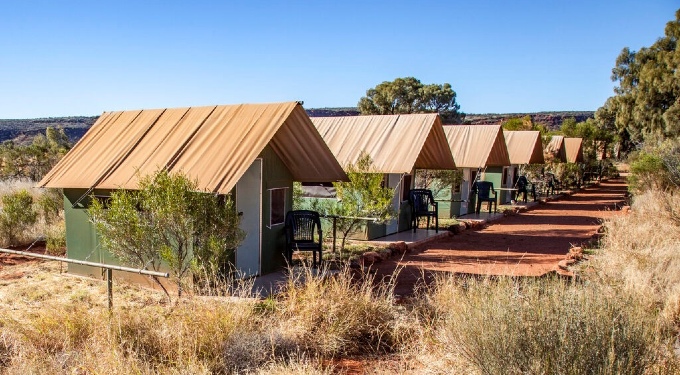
(522,186)
(552,183)
(301,227)
(484,190)
(423,205)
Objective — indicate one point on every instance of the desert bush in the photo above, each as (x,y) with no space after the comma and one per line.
(656,167)
(647,172)
(17,216)
(50,204)
(55,239)
(569,174)
(337,315)
(548,326)
(168,220)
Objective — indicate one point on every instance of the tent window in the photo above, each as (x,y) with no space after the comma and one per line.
(277,210)
(406,187)
(456,187)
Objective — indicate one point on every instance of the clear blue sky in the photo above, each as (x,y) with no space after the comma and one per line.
(68,58)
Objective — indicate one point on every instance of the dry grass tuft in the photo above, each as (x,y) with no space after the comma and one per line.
(337,315)
(641,252)
(541,326)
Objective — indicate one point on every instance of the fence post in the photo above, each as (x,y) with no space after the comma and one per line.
(335,219)
(109,286)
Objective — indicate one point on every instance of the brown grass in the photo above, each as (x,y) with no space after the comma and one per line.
(622,318)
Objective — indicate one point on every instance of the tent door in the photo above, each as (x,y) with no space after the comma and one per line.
(394,183)
(249,206)
(465,188)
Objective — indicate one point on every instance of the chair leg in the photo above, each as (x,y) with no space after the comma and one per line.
(428,222)
(436,224)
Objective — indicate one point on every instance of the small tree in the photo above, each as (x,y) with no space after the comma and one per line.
(364,196)
(168,220)
(17,215)
(438,180)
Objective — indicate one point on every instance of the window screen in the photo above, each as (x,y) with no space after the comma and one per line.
(277,202)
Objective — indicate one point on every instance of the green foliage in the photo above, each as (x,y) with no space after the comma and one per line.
(569,174)
(50,204)
(33,161)
(167,220)
(595,137)
(409,95)
(517,123)
(364,196)
(297,196)
(55,239)
(16,216)
(438,180)
(647,101)
(656,167)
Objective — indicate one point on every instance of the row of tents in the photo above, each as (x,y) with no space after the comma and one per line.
(256,151)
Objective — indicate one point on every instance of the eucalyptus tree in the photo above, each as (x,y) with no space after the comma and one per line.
(409,95)
(647,100)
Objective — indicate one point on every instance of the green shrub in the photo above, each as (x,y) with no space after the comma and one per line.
(656,167)
(55,239)
(647,172)
(17,216)
(50,204)
(168,220)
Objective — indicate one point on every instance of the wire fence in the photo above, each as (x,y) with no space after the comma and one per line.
(108,267)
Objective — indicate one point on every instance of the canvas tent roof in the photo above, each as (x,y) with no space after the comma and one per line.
(573,148)
(395,143)
(214,144)
(555,148)
(477,146)
(524,147)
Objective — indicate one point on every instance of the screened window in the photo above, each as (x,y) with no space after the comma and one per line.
(406,187)
(277,210)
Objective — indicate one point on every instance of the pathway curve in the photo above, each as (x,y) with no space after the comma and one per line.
(527,244)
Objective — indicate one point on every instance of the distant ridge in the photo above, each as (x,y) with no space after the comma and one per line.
(23,130)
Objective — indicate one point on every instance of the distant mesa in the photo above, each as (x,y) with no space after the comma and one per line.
(23,130)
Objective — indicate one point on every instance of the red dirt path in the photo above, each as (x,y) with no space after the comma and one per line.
(528,244)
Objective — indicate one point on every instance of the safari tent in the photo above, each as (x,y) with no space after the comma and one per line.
(397,145)
(524,147)
(482,153)
(573,149)
(555,151)
(252,151)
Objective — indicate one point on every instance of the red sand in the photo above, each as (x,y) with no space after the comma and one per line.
(527,244)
